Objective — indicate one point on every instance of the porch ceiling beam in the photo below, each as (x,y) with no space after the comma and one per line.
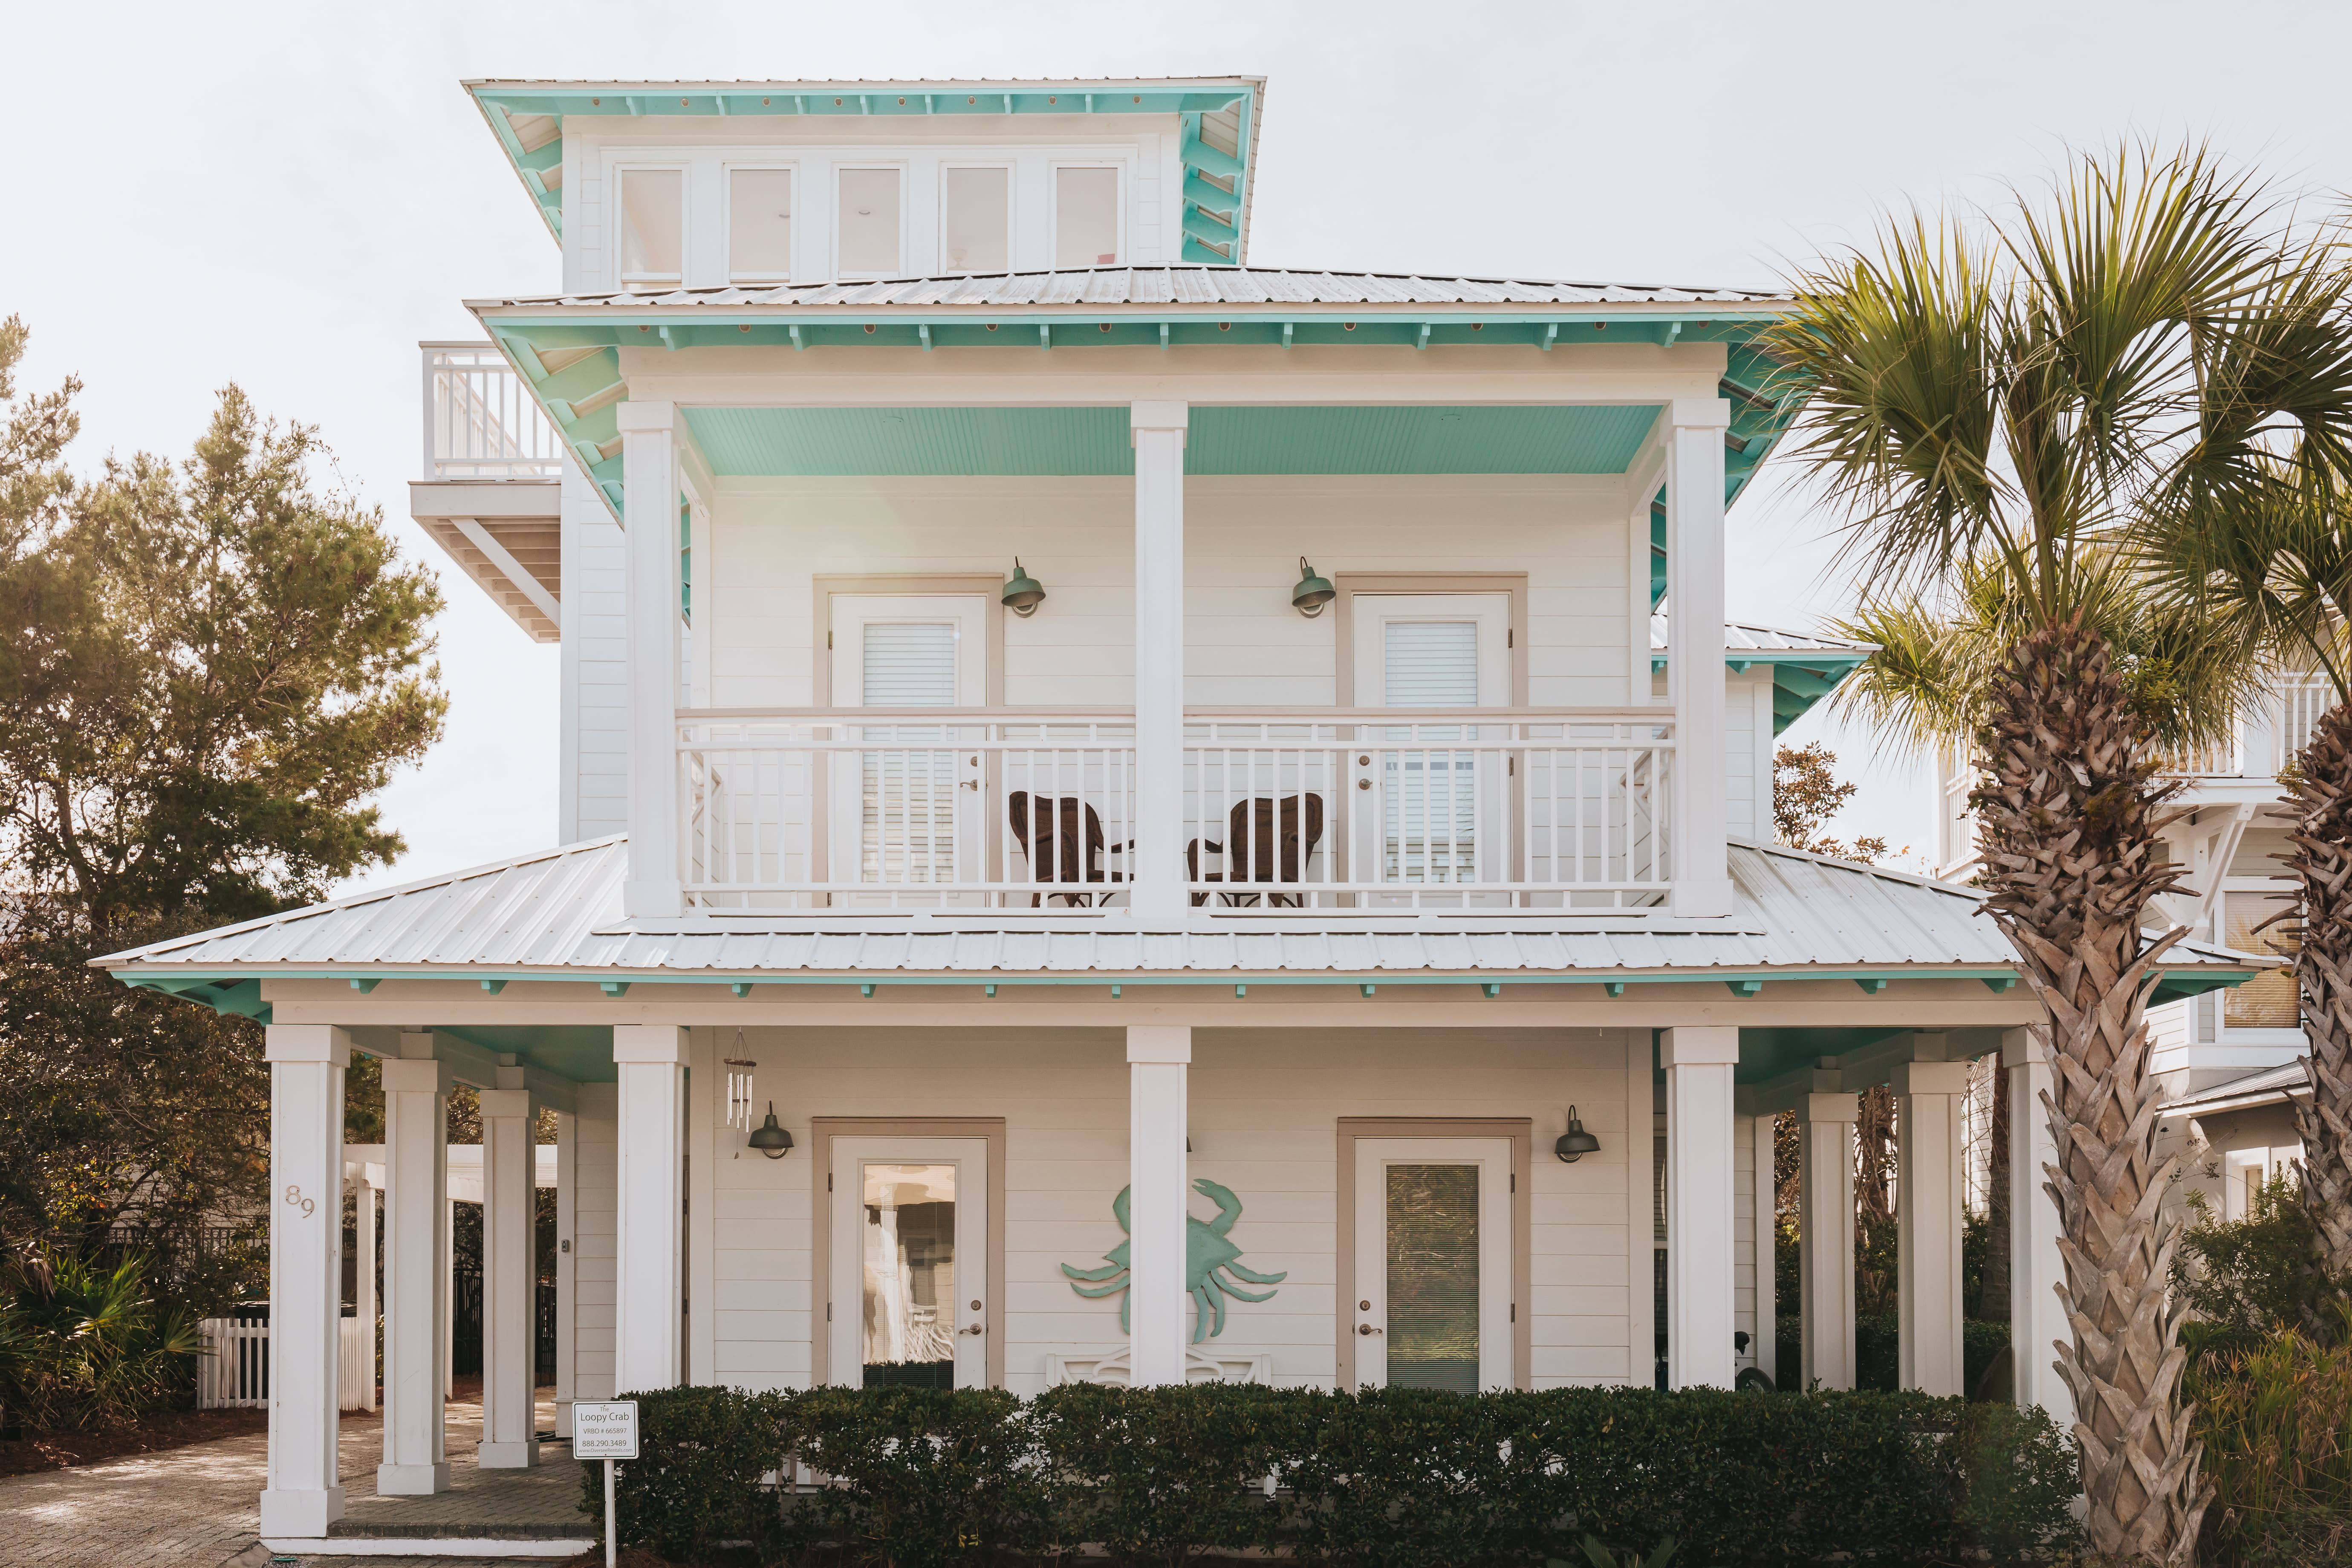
(513,571)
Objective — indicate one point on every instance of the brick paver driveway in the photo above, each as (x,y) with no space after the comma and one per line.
(188,1508)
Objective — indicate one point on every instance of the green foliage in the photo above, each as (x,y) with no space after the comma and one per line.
(83,1347)
(2276,1422)
(2248,1278)
(1385,1479)
(1878,1350)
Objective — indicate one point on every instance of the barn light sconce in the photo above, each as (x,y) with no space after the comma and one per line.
(1023,592)
(1313,593)
(772,1140)
(1574,1144)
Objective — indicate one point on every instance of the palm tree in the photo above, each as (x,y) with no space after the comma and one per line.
(1993,407)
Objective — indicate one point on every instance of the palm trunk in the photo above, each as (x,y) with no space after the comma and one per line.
(2069,821)
(2321,865)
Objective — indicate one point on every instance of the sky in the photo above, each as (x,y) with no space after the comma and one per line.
(290,196)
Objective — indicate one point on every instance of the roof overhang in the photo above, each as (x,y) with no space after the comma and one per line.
(1218,117)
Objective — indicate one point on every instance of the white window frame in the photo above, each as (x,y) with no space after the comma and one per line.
(2225,1033)
(1011,210)
(616,181)
(727,172)
(905,180)
(1053,205)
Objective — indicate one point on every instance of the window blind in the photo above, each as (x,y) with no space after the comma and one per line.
(1431,795)
(910,794)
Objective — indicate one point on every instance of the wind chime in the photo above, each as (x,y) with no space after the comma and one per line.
(738,1088)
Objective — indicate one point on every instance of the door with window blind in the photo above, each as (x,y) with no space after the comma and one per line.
(1436,822)
(1433,1293)
(906,824)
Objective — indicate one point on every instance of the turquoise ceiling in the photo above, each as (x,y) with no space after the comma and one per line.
(745,442)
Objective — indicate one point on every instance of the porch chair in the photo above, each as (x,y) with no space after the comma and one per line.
(1255,827)
(1063,837)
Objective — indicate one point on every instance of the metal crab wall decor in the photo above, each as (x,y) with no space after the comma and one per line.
(1212,1265)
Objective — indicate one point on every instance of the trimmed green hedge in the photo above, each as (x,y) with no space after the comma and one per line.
(1387,1478)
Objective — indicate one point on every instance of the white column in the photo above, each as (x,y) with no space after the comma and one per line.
(1826,1239)
(447,1350)
(416,1271)
(1768,1242)
(649,513)
(1927,1212)
(1159,864)
(1158,1059)
(651,1062)
(304,1493)
(567,1267)
(1698,808)
(1700,1063)
(365,1299)
(509,1281)
(2037,1273)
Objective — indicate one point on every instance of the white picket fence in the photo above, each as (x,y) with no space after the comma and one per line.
(234,1372)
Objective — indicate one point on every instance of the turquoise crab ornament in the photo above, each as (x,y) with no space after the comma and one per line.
(1213,1266)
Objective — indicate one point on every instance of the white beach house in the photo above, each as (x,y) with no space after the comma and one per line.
(1160,772)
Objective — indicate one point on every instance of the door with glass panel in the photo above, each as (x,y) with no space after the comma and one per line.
(909,1270)
(905,819)
(1432,1289)
(1436,825)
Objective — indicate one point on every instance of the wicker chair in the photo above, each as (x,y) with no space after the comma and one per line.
(1279,838)
(1063,837)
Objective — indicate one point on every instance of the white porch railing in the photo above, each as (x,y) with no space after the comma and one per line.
(906,808)
(2301,703)
(234,1372)
(480,421)
(1366,809)
(1391,809)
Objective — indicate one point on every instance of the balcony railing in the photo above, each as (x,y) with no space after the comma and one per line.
(480,421)
(1371,810)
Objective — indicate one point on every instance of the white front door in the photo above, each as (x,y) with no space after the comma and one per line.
(1438,822)
(910,1270)
(1433,1287)
(907,813)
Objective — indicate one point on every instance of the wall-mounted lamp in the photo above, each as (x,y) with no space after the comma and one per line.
(772,1140)
(1574,1144)
(1313,593)
(1023,592)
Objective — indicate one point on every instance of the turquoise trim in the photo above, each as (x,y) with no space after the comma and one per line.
(1203,164)
(1745,987)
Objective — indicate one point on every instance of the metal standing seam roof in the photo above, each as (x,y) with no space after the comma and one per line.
(1743,638)
(1162,286)
(561,912)
(2271,1086)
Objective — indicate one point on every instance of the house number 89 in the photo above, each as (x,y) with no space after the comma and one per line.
(294,1198)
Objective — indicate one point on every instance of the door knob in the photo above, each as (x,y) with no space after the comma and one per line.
(1366,1329)
(975,1329)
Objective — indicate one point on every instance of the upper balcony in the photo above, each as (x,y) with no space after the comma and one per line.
(492,470)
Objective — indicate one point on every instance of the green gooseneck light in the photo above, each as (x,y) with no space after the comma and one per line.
(1313,593)
(1023,592)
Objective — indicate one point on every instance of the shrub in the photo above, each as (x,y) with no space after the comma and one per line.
(1161,1474)
(82,1346)
(2249,1278)
(698,1481)
(1402,1478)
(2276,1423)
(922,1476)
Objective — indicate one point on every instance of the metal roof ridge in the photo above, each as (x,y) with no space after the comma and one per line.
(1218,79)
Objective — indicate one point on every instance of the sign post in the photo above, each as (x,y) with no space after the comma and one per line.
(606,1430)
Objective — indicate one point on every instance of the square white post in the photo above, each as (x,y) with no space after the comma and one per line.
(365,1306)
(416,1271)
(1158,1059)
(648,1326)
(649,513)
(1698,808)
(1157,430)
(1699,1062)
(509,1281)
(2037,1272)
(1927,1213)
(1826,1239)
(567,1267)
(1767,1244)
(304,1493)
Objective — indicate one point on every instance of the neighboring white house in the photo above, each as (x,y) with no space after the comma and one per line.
(1340,823)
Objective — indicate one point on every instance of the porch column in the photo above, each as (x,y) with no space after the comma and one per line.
(304,1493)
(364,1295)
(1768,1244)
(2037,1272)
(1927,1213)
(649,514)
(651,1060)
(1699,1062)
(1826,1239)
(1697,808)
(567,1267)
(415,1270)
(1157,430)
(509,1281)
(1159,1057)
